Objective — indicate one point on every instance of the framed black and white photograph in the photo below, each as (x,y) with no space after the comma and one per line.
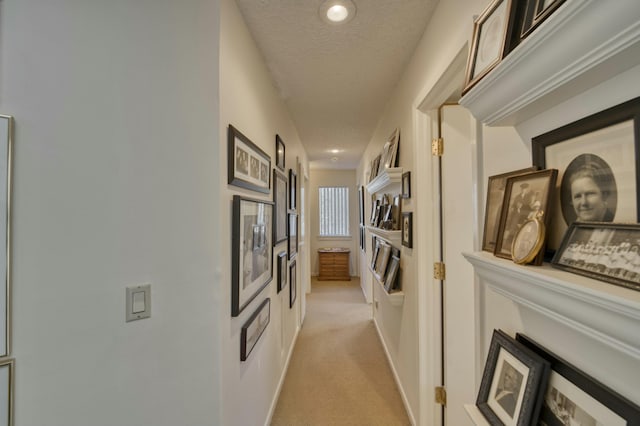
(597,160)
(391,280)
(248,166)
(292,245)
(406,185)
(382,259)
(293,184)
(280,205)
(513,381)
(6,147)
(253,329)
(489,44)
(293,290)
(251,249)
(526,197)
(536,11)
(407,229)
(282,270)
(493,208)
(280,151)
(605,251)
(574,398)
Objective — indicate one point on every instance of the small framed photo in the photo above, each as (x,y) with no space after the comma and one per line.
(407,229)
(489,45)
(279,153)
(375,165)
(293,235)
(280,205)
(406,185)
(391,280)
(495,196)
(528,241)
(382,259)
(293,290)
(293,184)
(597,159)
(248,166)
(573,397)
(512,384)
(605,251)
(390,155)
(526,196)
(282,270)
(253,329)
(535,12)
(252,251)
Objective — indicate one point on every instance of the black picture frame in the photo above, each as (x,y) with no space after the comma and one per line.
(293,290)
(579,393)
(361,204)
(382,259)
(282,270)
(513,381)
(293,184)
(252,252)
(375,250)
(248,166)
(532,194)
(535,12)
(607,142)
(407,229)
(280,153)
(406,185)
(493,207)
(253,329)
(292,231)
(601,250)
(280,205)
(393,272)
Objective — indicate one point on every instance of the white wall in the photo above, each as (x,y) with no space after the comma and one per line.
(251,103)
(115,184)
(323,178)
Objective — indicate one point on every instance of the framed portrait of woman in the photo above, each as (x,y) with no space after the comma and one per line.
(597,161)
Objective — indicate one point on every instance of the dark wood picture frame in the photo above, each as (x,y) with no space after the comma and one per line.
(406,185)
(513,381)
(407,229)
(361,204)
(601,250)
(536,11)
(293,290)
(293,184)
(248,166)
(282,270)
(251,250)
(280,206)
(254,327)
(292,231)
(607,142)
(535,194)
(280,153)
(579,393)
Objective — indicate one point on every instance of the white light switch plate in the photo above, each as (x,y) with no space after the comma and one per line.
(138,302)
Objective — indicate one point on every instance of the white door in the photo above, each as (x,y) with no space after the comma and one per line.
(458,221)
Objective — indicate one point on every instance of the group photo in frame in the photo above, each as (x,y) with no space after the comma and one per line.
(253,328)
(280,205)
(573,397)
(526,196)
(597,160)
(513,382)
(605,251)
(248,166)
(251,250)
(280,153)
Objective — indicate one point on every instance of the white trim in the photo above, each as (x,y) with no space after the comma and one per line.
(276,396)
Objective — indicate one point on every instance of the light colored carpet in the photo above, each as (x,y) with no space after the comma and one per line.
(338,373)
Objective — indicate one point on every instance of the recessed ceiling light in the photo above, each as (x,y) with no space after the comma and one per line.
(337,11)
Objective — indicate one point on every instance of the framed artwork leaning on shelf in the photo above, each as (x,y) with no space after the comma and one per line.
(253,329)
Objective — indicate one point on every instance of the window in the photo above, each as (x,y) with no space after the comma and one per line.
(334,211)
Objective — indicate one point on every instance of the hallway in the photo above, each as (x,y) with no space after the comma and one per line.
(338,373)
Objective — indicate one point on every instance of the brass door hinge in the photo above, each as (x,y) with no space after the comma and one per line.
(441,395)
(439,271)
(437,147)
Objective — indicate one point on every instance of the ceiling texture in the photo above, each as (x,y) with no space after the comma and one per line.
(336,78)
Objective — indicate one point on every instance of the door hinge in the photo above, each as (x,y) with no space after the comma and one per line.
(439,271)
(441,395)
(437,147)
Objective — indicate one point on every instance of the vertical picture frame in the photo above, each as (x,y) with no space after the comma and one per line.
(7,379)
(282,270)
(293,185)
(6,163)
(253,329)
(407,229)
(293,235)
(406,185)
(280,206)
(280,153)
(293,290)
(248,166)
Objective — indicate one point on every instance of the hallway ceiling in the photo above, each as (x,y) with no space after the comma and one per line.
(336,79)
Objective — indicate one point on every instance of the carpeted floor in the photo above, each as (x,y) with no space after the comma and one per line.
(338,373)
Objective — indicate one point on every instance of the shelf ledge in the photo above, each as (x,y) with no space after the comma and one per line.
(392,237)
(385,178)
(605,312)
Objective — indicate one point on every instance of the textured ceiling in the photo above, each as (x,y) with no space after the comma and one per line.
(336,79)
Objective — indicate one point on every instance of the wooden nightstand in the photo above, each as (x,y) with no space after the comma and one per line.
(334,264)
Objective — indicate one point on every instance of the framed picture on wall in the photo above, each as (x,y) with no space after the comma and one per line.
(536,11)
(7,373)
(407,229)
(293,290)
(251,250)
(248,166)
(282,270)
(293,182)
(253,329)
(280,205)
(6,148)
(597,160)
(293,235)
(280,151)
(406,185)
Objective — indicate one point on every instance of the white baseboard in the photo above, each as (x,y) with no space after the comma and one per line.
(276,396)
(395,375)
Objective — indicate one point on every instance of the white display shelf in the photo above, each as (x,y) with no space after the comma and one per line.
(580,45)
(392,237)
(396,298)
(475,415)
(605,312)
(385,178)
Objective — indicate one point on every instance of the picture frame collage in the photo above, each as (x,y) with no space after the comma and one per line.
(258,227)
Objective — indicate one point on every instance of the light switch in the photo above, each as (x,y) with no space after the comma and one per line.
(138,302)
